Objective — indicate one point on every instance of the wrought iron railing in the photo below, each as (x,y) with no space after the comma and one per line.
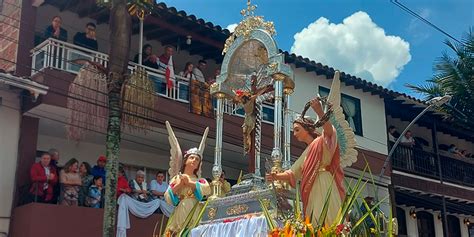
(60,55)
(424,163)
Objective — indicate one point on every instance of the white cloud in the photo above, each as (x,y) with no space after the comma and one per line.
(231,27)
(356,46)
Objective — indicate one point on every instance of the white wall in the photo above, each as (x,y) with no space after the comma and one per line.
(73,24)
(464,227)
(412,225)
(9,138)
(372,108)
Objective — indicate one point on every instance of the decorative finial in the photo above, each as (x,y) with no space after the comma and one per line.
(249,11)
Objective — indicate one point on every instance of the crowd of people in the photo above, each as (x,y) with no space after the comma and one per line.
(199,96)
(79,184)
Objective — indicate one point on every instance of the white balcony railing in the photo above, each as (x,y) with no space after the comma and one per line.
(60,55)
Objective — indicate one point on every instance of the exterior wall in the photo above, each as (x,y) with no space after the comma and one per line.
(9,29)
(372,108)
(10,132)
(73,24)
(412,226)
(438,224)
(36,219)
(465,228)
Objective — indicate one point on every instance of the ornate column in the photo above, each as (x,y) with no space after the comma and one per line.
(287,129)
(278,122)
(258,135)
(217,168)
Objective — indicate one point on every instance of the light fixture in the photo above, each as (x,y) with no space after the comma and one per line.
(189,40)
(439,216)
(467,222)
(413,213)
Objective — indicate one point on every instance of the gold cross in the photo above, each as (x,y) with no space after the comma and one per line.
(250,9)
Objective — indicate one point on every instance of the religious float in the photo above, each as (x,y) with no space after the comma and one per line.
(307,198)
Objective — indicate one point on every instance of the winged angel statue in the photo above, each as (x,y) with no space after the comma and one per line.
(319,168)
(187,187)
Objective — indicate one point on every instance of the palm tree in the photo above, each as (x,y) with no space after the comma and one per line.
(454,75)
(120,36)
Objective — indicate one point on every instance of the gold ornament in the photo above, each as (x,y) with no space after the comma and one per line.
(247,25)
(140,8)
(237,209)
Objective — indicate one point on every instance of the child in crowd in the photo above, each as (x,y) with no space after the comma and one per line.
(95,193)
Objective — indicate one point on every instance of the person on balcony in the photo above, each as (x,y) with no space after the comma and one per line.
(188,71)
(122,183)
(87,39)
(158,188)
(148,58)
(86,178)
(408,141)
(139,187)
(165,57)
(54,153)
(55,30)
(70,183)
(43,179)
(199,71)
(455,151)
(99,169)
(94,196)
(392,137)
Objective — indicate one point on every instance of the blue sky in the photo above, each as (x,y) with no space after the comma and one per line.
(392,47)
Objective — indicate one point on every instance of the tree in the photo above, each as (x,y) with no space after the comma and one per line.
(120,37)
(454,75)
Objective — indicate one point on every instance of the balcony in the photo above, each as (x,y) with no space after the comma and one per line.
(59,55)
(424,163)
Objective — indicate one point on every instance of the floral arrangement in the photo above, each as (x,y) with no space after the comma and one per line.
(347,223)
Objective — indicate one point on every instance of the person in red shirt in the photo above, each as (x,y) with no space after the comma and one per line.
(43,179)
(165,57)
(122,183)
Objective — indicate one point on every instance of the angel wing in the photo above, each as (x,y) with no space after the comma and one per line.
(202,146)
(176,157)
(345,134)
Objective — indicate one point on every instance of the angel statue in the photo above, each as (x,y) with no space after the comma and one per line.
(186,187)
(247,100)
(319,168)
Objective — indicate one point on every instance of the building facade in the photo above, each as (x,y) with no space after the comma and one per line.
(49,62)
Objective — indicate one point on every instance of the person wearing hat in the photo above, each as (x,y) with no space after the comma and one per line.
(99,169)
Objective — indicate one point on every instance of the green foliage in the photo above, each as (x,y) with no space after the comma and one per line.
(453,75)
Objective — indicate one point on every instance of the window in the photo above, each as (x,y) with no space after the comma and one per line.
(351,107)
(268,113)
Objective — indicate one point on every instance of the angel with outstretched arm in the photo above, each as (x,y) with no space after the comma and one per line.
(319,168)
(186,187)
